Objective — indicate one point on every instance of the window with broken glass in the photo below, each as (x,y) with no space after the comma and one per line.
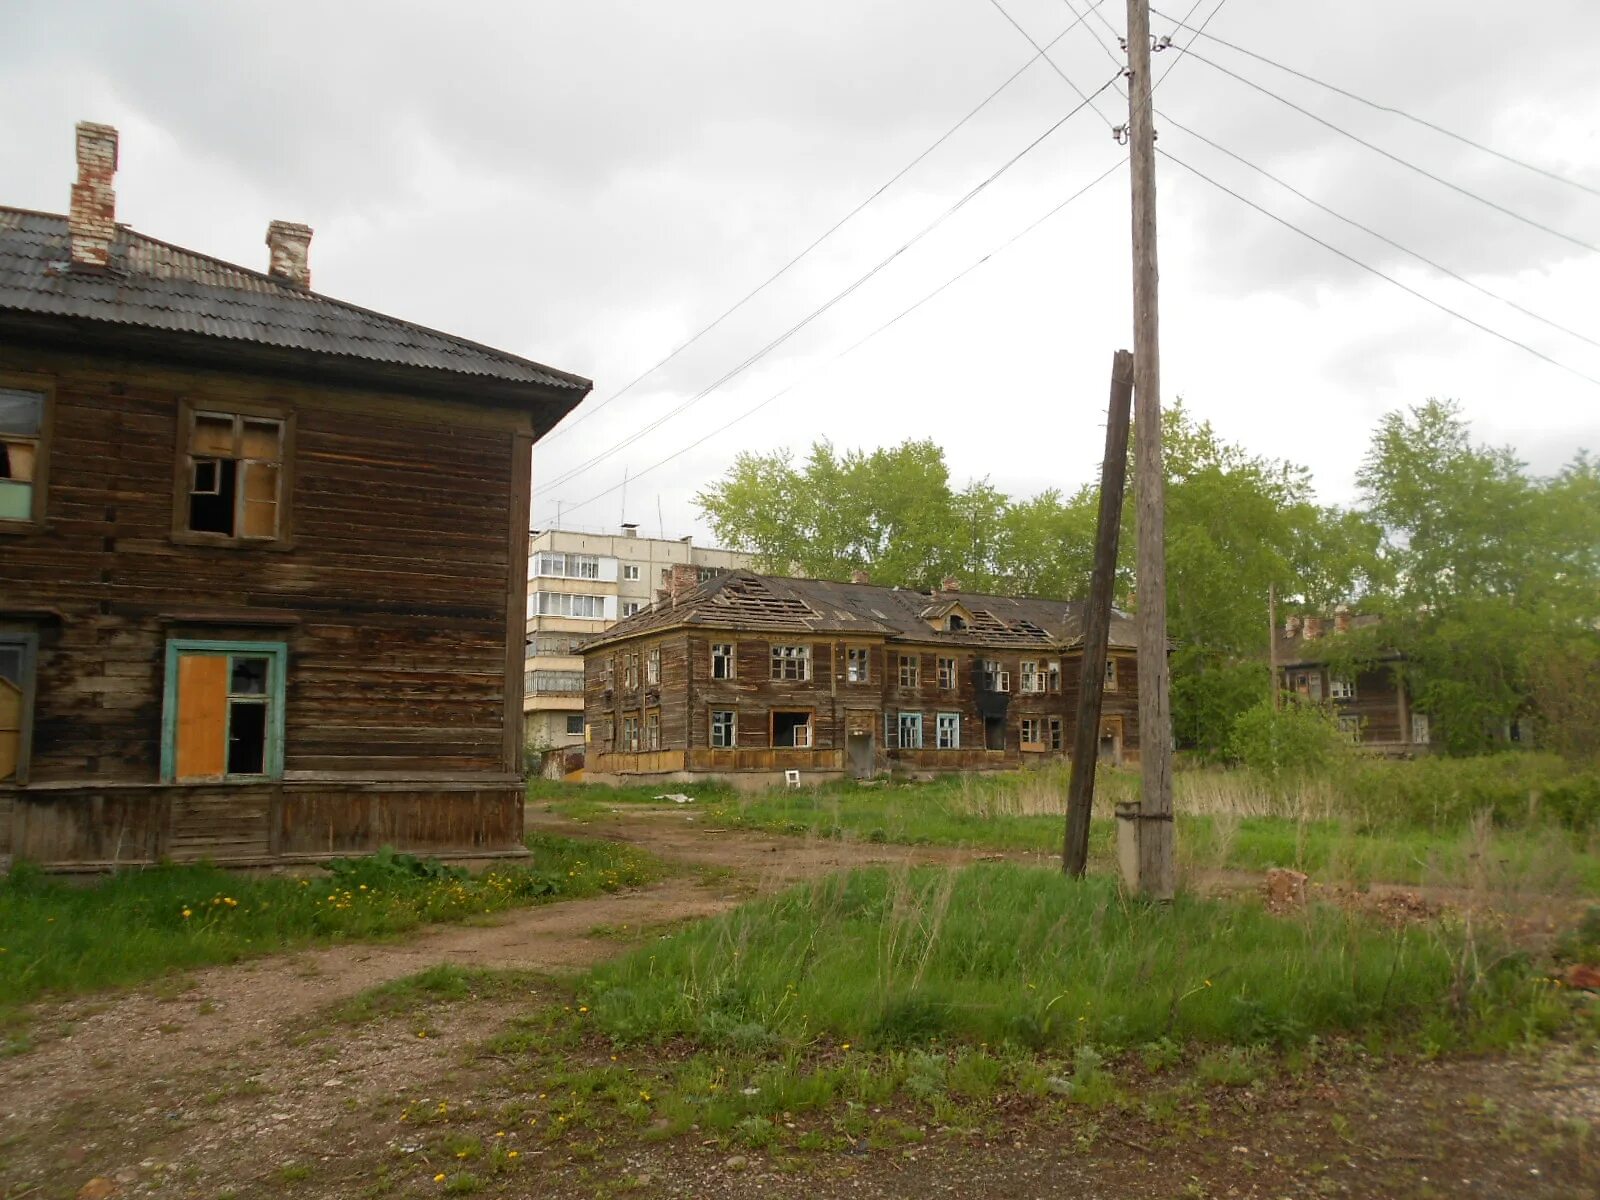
(791,662)
(22,455)
(232,479)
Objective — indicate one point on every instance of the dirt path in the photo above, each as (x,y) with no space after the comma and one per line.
(230,1082)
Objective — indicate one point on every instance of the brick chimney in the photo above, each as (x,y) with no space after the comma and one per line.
(289,249)
(92,221)
(860,576)
(950,584)
(1291,626)
(680,578)
(1314,626)
(1341,619)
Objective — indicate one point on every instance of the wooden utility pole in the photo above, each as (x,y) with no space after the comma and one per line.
(1097,619)
(1155,824)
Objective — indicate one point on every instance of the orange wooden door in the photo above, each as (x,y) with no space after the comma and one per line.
(202,739)
(10,728)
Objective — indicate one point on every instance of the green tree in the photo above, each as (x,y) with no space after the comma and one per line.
(1490,569)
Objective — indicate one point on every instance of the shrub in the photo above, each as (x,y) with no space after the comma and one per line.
(1290,742)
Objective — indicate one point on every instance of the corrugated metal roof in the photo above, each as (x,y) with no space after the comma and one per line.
(155,285)
(744,600)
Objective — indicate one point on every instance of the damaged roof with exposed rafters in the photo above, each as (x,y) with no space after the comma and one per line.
(157,286)
(742,600)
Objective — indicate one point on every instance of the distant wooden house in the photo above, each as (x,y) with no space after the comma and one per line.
(1369,701)
(749,676)
(263,555)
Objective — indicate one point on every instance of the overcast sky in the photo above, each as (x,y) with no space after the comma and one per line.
(589,183)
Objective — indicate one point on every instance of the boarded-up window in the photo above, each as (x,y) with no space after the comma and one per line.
(235,476)
(16,704)
(224,710)
(21,448)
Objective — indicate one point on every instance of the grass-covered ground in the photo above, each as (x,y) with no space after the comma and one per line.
(1514,822)
(62,937)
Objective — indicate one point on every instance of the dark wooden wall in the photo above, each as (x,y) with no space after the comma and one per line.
(393,598)
(688,693)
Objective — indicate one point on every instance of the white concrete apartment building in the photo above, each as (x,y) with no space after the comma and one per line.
(579,585)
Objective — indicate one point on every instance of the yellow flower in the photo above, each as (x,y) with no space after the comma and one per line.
(187,914)
(502,1133)
(644,1095)
(583,1008)
(422,1033)
(845,1046)
(439,1178)
(512,1154)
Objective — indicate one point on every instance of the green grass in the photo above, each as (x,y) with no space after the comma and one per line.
(441,984)
(1006,954)
(62,938)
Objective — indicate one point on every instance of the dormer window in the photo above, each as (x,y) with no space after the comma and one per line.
(955,621)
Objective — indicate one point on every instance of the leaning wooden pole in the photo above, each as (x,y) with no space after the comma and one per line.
(1097,619)
(1157,875)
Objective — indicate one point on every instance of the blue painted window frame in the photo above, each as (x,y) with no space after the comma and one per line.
(277,656)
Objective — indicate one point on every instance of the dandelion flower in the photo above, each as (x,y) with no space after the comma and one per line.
(187,914)
(512,1154)
(439,1178)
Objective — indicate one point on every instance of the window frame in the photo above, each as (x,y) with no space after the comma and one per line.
(630,572)
(1030,678)
(1055,734)
(188,407)
(995,677)
(912,720)
(731,658)
(1113,677)
(277,656)
(1340,688)
(1350,727)
(809,725)
(1035,726)
(579,731)
(732,725)
(911,665)
(1052,676)
(947,673)
(650,730)
(46,386)
(778,658)
(28,641)
(947,722)
(629,608)
(854,656)
(652,667)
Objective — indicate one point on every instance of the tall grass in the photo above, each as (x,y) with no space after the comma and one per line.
(61,937)
(997,953)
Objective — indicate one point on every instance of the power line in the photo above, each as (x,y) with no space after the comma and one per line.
(798,326)
(1393,157)
(1384,108)
(826,234)
(1443,270)
(1374,270)
(1184,25)
(999,8)
(854,346)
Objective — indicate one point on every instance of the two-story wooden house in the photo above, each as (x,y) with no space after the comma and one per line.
(263,555)
(1368,699)
(749,676)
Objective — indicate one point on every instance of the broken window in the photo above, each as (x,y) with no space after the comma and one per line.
(224,704)
(722,660)
(1350,727)
(1055,733)
(791,729)
(995,678)
(791,662)
(1420,734)
(652,666)
(724,728)
(630,671)
(652,729)
(17,652)
(910,731)
(858,664)
(235,469)
(1032,733)
(630,734)
(1111,675)
(994,733)
(947,673)
(910,670)
(1053,677)
(948,726)
(21,453)
(1308,685)
(1341,689)
(1032,678)
(955,621)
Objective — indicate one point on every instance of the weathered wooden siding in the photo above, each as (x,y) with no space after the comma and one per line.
(392,595)
(689,694)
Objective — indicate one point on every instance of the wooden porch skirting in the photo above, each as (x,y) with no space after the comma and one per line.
(87,828)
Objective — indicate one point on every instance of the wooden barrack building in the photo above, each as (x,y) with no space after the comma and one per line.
(263,555)
(750,676)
